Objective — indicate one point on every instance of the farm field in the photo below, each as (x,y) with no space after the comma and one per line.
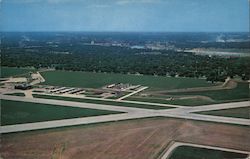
(97,80)
(235,112)
(189,152)
(13,71)
(137,139)
(101,102)
(13,112)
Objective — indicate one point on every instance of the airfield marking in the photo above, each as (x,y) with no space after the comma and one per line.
(130,94)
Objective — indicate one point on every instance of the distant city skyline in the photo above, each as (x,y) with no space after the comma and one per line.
(125,15)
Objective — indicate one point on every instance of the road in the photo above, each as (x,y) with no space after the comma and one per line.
(38,78)
(130,113)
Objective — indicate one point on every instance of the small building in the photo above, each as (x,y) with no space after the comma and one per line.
(23,86)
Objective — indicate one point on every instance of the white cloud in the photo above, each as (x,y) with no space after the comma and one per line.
(22,1)
(125,2)
(38,1)
(96,3)
(98,6)
(57,1)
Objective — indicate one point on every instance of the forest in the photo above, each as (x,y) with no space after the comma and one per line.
(70,53)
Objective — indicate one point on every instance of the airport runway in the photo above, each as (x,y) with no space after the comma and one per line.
(130,113)
(178,144)
(73,104)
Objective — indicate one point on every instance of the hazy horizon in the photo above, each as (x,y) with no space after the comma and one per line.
(149,32)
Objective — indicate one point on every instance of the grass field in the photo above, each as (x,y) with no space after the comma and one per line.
(240,92)
(101,102)
(96,80)
(235,112)
(15,112)
(184,102)
(187,152)
(13,71)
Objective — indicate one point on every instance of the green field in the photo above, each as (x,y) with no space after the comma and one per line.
(97,80)
(187,152)
(183,102)
(101,102)
(240,92)
(13,71)
(15,112)
(234,112)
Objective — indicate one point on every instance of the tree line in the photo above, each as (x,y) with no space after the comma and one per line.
(124,60)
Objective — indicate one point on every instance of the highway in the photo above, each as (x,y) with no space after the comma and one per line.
(129,113)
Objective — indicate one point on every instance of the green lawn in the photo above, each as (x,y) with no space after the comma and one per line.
(183,102)
(15,112)
(240,92)
(187,152)
(101,102)
(234,112)
(190,102)
(96,80)
(13,71)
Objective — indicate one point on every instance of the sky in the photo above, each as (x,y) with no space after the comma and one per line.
(125,15)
